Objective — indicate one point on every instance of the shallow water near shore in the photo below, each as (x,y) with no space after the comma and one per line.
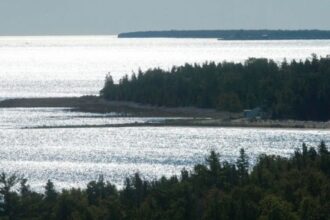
(73,157)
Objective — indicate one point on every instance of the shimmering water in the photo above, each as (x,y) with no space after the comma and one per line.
(74,66)
(24,118)
(73,157)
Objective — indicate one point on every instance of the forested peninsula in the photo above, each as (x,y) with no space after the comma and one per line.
(274,188)
(298,90)
(233,34)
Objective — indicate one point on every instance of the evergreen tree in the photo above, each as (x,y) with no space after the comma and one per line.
(243,166)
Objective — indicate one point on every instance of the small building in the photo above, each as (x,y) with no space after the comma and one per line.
(253,113)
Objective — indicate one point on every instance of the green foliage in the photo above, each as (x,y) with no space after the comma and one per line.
(276,188)
(243,167)
(274,208)
(296,90)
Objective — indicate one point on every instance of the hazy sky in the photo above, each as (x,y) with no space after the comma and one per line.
(47,17)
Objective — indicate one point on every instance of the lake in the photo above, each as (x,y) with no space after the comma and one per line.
(75,66)
(73,156)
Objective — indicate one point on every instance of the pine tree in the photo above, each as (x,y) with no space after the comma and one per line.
(242,164)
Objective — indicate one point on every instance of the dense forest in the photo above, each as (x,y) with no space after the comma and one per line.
(275,188)
(295,90)
(233,34)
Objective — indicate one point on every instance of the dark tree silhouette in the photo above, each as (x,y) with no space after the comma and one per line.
(296,90)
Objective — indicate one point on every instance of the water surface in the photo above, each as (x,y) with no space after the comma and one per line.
(73,157)
(75,66)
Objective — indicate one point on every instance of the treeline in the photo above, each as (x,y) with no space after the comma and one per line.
(233,34)
(275,188)
(295,90)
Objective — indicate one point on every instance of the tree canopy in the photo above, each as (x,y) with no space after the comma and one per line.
(274,188)
(295,90)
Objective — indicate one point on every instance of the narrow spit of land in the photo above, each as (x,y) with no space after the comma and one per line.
(188,116)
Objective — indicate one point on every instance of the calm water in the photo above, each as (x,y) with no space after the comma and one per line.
(74,66)
(72,157)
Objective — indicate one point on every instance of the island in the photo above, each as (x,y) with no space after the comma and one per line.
(233,34)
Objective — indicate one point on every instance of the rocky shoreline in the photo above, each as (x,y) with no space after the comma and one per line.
(191,116)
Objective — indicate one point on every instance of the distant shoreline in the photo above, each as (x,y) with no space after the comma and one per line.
(233,34)
(195,117)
